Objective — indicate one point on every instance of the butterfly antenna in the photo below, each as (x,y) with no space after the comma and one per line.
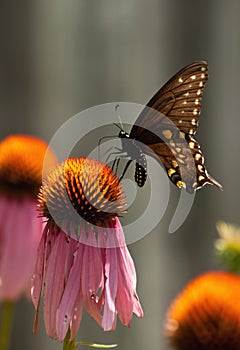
(119,127)
(119,116)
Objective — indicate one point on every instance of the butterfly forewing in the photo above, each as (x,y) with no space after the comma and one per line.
(169,134)
(180,98)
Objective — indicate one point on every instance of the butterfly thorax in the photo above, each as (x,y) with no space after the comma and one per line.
(134,151)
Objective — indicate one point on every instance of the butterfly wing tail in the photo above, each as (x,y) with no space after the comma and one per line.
(211,181)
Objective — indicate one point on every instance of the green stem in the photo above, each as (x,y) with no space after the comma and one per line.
(69,345)
(6,324)
(73,345)
(97,346)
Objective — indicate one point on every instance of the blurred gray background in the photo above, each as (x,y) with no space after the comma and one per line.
(60,57)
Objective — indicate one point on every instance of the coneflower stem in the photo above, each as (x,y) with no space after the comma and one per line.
(69,345)
(73,345)
(6,324)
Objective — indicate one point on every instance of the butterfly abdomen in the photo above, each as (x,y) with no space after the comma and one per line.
(136,154)
(141,171)
(134,151)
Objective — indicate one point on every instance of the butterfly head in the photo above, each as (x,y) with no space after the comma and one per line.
(122,134)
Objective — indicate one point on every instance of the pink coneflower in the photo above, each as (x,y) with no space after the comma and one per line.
(206,314)
(90,265)
(21,162)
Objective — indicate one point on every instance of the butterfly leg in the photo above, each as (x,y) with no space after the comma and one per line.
(107,151)
(115,154)
(125,169)
(120,150)
(112,153)
(116,161)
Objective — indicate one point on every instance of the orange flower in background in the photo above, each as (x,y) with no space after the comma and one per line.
(206,314)
(21,162)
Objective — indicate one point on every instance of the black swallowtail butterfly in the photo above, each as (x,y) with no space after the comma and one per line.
(180,101)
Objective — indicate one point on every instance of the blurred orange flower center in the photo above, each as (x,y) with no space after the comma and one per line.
(21,161)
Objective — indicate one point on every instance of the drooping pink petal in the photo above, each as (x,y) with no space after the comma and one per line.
(77,315)
(131,272)
(38,277)
(91,277)
(73,246)
(4,212)
(126,256)
(34,234)
(124,280)
(137,309)
(110,292)
(52,233)
(109,238)
(68,303)
(37,280)
(127,301)
(124,301)
(9,270)
(21,233)
(54,282)
(5,248)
